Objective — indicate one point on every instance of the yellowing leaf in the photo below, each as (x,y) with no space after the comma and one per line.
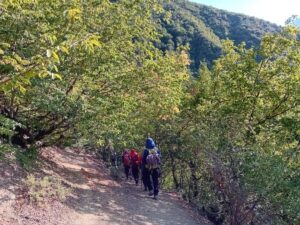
(95,42)
(176,109)
(73,14)
(55,57)
(58,76)
(22,89)
(4,45)
(64,49)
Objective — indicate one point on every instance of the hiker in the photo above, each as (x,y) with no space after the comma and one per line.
(135,163)
(145,172)
(150,168)
(140,167)
(126,162)
(114,159)
(153,163)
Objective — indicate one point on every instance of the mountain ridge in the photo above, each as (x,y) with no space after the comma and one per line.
(203,28)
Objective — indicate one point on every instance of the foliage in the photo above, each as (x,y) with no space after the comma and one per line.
(4,150)
(27,158)
(7,126)
(87,70)
(236,140)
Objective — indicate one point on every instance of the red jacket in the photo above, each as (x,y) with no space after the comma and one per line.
(135,158)
(126,158)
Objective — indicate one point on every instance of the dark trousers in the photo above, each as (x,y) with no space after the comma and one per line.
(146,179)
(126,170)
(154,175)
(135,173)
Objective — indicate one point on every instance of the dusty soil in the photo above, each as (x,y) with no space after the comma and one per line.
(96,198)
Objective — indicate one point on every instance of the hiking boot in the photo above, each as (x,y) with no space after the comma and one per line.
(151,193)
(145,189)
(155,197)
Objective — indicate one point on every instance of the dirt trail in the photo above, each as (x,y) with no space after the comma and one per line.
(98,200)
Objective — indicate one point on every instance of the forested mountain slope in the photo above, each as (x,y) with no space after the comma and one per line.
(203,27)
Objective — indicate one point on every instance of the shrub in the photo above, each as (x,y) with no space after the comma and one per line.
(41,189)
(27,157)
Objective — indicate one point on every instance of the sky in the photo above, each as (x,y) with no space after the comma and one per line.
(275,11)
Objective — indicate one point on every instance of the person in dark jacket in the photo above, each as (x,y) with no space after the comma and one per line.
(149,145)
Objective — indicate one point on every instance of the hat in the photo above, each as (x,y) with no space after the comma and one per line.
(150,144)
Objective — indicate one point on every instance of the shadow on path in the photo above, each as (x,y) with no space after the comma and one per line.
(97,199)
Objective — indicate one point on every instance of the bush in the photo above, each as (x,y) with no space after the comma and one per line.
(4,150)
(27,157)
(40,189)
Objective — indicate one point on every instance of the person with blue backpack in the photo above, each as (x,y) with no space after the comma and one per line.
(150,168)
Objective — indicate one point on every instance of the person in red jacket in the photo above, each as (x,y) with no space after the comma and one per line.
(135,164)
(126,162)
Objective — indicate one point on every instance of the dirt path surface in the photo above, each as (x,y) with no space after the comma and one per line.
(96,198)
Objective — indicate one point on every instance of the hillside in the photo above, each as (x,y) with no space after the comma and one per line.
(203,27)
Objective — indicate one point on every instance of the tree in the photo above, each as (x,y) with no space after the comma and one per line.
(84,68)
(240,128)
(292,20)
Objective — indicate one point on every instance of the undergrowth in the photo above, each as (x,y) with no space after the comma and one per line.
(38,190)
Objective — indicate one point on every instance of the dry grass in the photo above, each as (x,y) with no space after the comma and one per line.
(39,190)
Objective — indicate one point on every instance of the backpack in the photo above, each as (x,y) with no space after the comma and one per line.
(152,161)
(135,160)
(126,160)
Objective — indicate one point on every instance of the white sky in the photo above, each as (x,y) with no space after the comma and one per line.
(276,11)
